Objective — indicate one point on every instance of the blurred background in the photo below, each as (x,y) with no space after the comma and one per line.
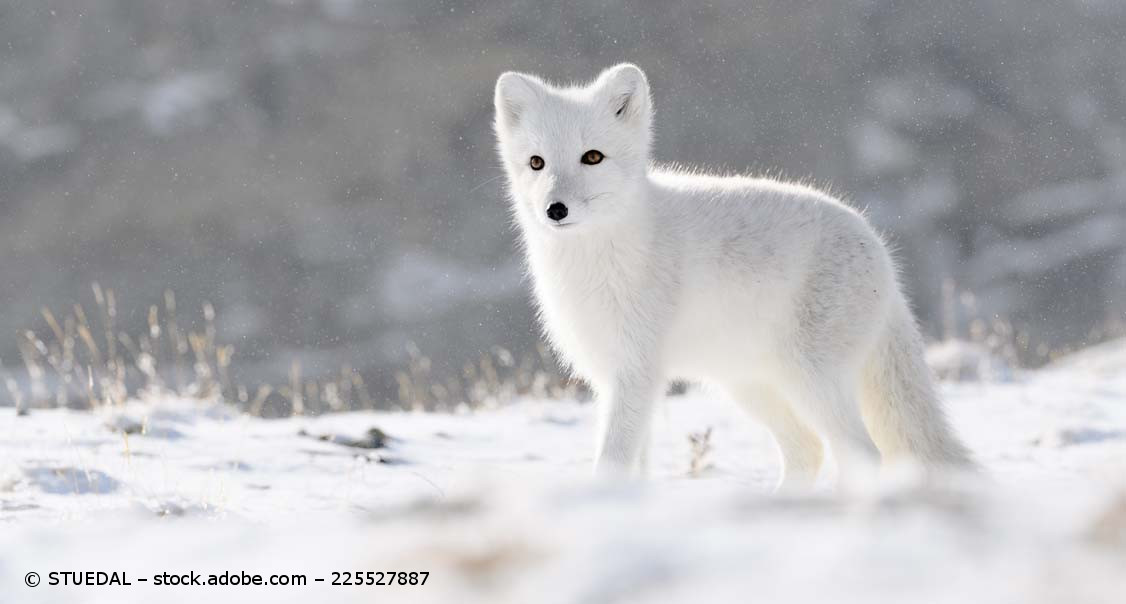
(323,174)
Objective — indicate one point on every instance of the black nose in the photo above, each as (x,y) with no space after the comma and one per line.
(557,211)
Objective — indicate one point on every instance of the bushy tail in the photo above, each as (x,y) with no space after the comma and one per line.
(899,403)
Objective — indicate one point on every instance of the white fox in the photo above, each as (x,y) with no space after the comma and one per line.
(777,293)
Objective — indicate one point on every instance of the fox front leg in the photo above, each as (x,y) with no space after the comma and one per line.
(627,409)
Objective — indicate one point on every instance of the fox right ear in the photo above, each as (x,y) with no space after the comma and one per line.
(627,91)
(515,92)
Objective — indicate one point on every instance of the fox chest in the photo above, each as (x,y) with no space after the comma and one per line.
(591,319)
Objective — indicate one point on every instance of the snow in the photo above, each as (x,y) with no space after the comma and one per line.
(497,505)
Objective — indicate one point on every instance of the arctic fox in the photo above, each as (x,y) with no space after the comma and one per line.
(776,293)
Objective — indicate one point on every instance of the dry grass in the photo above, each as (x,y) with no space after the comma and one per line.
(496,377)
(964,320)
(700,445)
(81,359)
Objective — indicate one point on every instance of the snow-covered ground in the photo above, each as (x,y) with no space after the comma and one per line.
(496,505)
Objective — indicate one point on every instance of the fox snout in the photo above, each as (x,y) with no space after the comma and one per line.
(557,211)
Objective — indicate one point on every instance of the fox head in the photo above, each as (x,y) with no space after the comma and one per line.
(576,157)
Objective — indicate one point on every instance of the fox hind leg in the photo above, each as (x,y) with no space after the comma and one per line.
(801,448)
(831,406)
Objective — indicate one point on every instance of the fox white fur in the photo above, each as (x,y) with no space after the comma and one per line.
(777,293)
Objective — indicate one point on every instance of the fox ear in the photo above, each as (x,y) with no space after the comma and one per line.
(515,92)
(626,89)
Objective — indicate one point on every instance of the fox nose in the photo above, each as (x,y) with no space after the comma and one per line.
(557,211)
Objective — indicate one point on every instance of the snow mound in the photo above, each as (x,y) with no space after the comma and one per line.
(497,506)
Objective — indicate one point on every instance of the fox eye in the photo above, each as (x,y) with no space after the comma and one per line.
(592,157)
(536,162)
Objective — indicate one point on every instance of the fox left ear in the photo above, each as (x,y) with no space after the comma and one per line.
(514,93)
(627,91)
